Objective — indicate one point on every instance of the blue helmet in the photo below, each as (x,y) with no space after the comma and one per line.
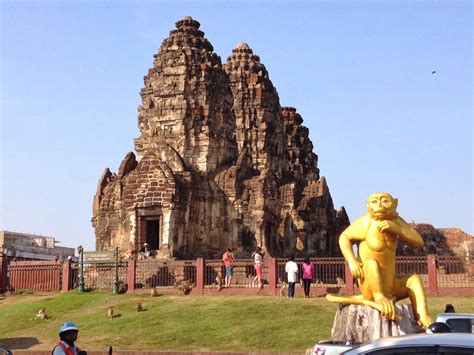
(67,326)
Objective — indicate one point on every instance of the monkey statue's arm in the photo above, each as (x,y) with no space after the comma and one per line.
(404,231)
(355,232)
(410,235)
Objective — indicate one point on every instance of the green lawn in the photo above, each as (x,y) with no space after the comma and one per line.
(214,323)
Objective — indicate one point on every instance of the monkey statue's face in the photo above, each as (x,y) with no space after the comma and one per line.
(382,206)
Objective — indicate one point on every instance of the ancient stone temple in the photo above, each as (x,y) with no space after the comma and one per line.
(218,164)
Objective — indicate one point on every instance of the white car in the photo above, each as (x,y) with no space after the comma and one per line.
(459,322)
(434,344)
(328,348)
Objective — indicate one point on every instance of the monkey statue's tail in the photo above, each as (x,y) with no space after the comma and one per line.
(357,299)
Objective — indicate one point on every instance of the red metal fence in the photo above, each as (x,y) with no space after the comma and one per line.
(99,276)
(409,265)
(154,273)
(36,275)
(446,275)
(328,272)
(243,269)
(454,272)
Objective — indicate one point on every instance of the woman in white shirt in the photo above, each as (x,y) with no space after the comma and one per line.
(258,261)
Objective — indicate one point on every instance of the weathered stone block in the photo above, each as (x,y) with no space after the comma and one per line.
(360,323)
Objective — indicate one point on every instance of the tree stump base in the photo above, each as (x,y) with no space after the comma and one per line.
(360,323)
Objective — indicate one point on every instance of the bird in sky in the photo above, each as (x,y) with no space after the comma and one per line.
(433,72)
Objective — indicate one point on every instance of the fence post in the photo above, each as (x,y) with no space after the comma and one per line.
(116,290)
(432,274)
(200,267)
(272,275)
(66,278)
(131,276)
(348,279)
(3,270)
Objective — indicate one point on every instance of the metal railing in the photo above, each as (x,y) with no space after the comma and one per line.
(444,274)
(155,273)
(409,265)
(34,275)
(454,271)
(100,275)
(244,273)
(327,272)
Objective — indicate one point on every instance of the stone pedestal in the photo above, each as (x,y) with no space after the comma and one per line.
(360,323)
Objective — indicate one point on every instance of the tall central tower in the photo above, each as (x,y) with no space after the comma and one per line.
(187,103)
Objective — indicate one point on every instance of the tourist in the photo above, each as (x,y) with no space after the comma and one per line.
(449,308)
(258,261)
(307,271)
(228,259)
(291,269)
(145,251)
(68,336)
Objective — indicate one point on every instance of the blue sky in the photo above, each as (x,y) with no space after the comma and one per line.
(360,74)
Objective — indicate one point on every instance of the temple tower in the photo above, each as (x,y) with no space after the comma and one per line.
(218,163)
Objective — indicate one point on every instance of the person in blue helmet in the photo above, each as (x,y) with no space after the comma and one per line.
(68,336)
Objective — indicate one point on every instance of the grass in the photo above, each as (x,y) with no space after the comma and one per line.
(206,323)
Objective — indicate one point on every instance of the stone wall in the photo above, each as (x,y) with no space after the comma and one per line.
(441,241)
(219,164)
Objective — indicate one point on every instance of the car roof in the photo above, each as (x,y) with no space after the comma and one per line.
(443,317)
(445,339)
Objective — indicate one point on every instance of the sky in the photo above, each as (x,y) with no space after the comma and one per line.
(359,72)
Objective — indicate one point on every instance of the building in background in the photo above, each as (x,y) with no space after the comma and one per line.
(24,246)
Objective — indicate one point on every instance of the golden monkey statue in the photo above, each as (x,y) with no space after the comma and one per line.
(377,233)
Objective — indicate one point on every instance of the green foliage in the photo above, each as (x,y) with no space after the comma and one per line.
(214,323)
(22,292)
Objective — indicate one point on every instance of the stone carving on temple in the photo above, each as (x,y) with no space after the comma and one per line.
(219,163)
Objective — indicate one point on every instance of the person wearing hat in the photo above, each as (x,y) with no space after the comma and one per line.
(68,336)
(145,251)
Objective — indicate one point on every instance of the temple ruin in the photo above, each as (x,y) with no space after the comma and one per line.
(218,164)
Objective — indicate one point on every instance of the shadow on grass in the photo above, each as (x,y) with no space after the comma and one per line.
(18,343)
(86,290)
(332,290)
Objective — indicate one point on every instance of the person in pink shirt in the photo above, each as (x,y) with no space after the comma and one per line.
(228,259)
(307,271)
